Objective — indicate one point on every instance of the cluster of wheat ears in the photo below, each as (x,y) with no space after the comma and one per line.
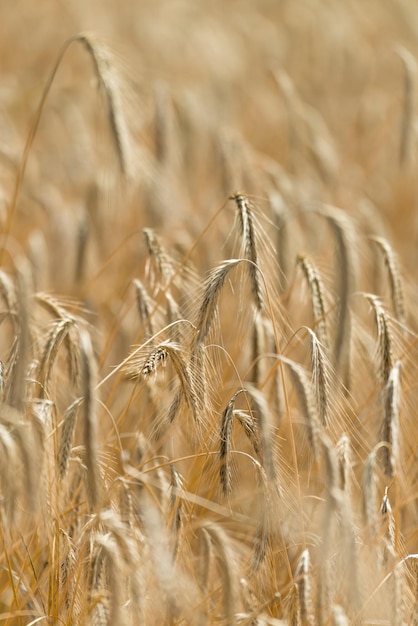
(208,342)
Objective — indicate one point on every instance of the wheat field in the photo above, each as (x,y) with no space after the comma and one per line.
(208,313)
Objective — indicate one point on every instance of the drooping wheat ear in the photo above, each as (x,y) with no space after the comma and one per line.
(344,462)
(370,503)
(145,307)
(188,391)
(159,257)
(390,430)
(18,378)
(67,568)
(267,518)
(281,218)
(331,471)
(388,525)
(71,338)
(248,233)
(113,524)
(317,294)
(307,404)
(250,428)
(174,407)
(262,415)
(225,444)
(221,544)
(303,581)
(30,459)
(176,485)
(67,435)
(407,123)
(257,347)
(295,618)
(107,79)
(384,337)
(320,378)
(211,294)
(110,83)
(126,550)
(54,340)
(90,441)
(343,233)
(112,562)
(174,352)
(205,557)
(125,503)
(395,282)
(157,357)
(9,473)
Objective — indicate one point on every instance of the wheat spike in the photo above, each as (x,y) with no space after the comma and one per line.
(388,526)
(303,581)
(384,337)
(67,435)
(112,90)
(369,493)
(211,294)
(89,414)
(320,378)
(396,289)
(225,444)
(222,548)
(407,127)
(248,233)
(317,294)
(262,416)
(343,233)
(145,307)
(303,391)
(159,256)
(56,336)
(390,430)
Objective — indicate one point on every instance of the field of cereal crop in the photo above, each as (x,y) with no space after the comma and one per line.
(208,312)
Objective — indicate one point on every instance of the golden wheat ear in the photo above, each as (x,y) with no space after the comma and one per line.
(316,289)
(89,417)
(409,98)
(343,232)
(249,238)
(396,288)
(110,84)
